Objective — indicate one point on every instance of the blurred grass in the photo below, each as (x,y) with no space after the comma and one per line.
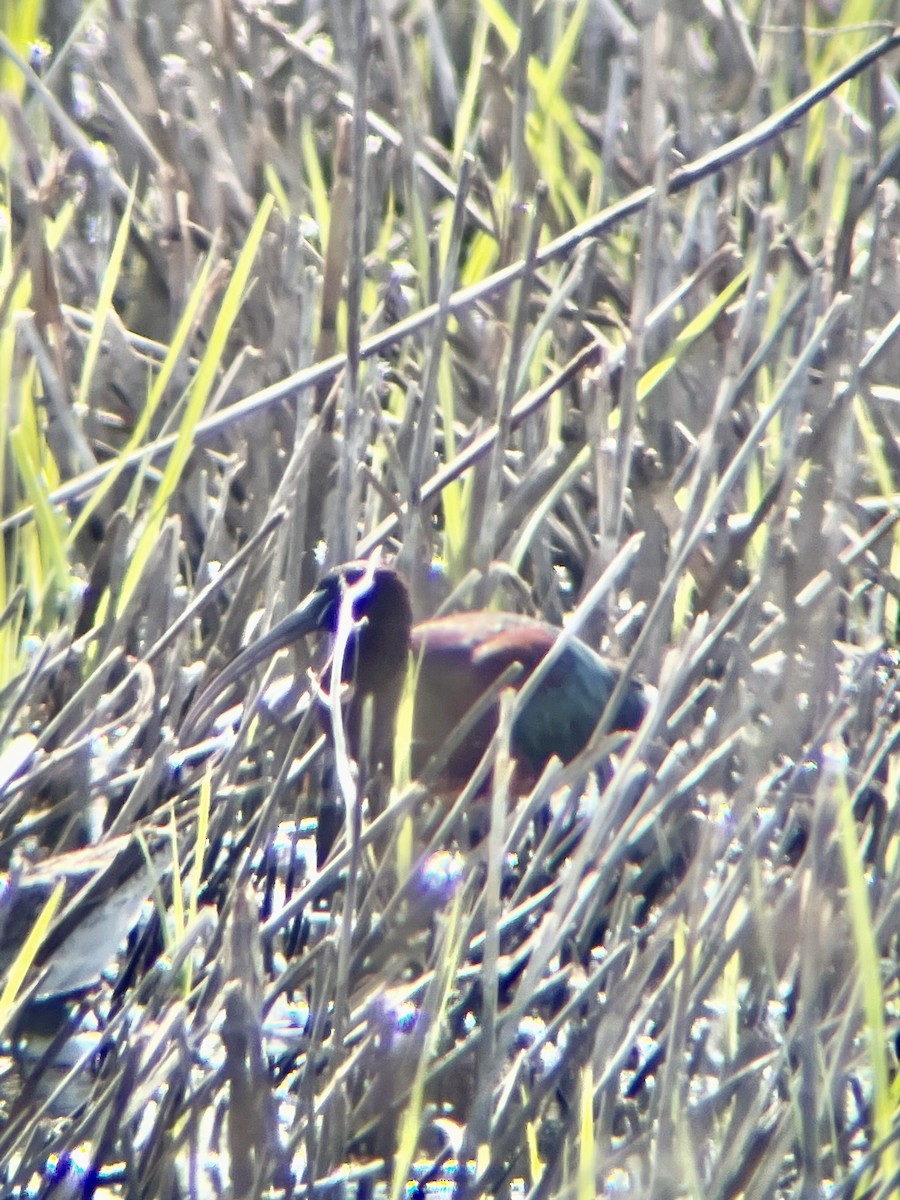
(18,971)
(197,403)
(861,919)
(664,988)
(157,392)
(21,23)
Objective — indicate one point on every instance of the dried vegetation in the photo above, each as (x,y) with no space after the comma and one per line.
(593,292)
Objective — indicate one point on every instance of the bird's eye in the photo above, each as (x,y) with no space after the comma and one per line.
(358,585)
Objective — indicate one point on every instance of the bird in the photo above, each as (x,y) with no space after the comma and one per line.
(457,659)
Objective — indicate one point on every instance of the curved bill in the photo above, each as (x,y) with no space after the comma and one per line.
(309,617)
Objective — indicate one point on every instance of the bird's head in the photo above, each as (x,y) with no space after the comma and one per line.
(374,599)
(376,602)
(373,596)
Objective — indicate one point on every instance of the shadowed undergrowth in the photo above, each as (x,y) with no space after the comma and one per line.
(577,311)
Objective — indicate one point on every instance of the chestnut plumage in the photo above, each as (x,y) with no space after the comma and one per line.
(457,659)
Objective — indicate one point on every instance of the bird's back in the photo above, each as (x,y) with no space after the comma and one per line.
(461,656)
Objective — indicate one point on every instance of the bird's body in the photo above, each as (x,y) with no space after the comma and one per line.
(456,660)
(461,657)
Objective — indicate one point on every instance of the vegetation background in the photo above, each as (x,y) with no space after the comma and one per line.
(534,297)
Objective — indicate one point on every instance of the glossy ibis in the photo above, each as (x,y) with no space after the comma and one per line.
(457,658)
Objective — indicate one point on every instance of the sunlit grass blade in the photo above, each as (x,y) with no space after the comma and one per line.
(203,810)
(47,520)
(682,606)
(876,455)
(104,300)
(198,395)
(433,1013)
(453,497)
(276,187)
(21,24)
(464,128)
(535,1164)
(547,83)
(179,919)
(35,553)
(480,259)
(315,181)
(556,121)
(587,1167)
(7,351)
(15,976)
(157,392)
(559,68)
(693,330)
(864,937)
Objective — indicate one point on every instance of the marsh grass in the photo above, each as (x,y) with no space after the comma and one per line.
(573,309)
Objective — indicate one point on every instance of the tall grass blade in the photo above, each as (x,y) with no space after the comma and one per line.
(198,395)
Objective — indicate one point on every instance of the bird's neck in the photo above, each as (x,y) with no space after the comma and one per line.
(381,651)
(377,669)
